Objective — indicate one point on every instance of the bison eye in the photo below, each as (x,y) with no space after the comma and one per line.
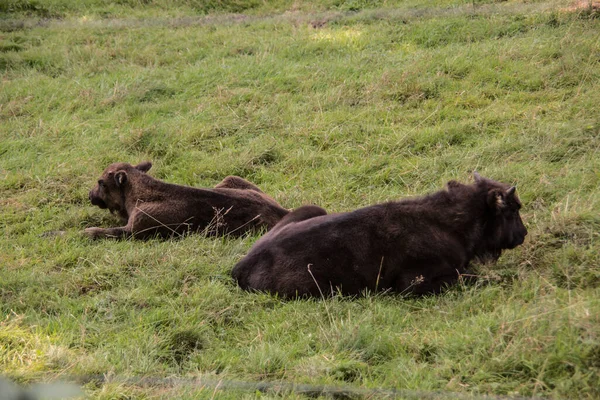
(100,182)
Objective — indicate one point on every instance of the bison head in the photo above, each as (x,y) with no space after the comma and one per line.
(504,228)
(108,193)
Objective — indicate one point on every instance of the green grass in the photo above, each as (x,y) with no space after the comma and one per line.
(107,9)
(337,103)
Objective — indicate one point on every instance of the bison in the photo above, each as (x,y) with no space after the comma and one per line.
(416,245)
(150,207)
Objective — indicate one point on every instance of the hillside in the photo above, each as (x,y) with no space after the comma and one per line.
(340,103)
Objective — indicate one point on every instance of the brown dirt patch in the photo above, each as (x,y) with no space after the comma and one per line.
(584,5)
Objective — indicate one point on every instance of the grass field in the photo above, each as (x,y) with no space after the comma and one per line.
(340,103)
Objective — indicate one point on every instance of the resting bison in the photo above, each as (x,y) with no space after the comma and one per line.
(411,246)
(150,207)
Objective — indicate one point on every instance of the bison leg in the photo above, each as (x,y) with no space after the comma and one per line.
(235,182)
(114,233)
(300,214)
(433,285)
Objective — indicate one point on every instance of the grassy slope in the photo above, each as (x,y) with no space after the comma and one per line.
(315,106)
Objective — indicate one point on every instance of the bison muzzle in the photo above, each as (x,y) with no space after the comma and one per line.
(150,207)
(417,245)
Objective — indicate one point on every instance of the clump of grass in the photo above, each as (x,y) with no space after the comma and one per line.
(181,344)
(28,7)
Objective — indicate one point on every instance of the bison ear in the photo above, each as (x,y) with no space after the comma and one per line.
(496,200)
(144,166)
(120,178)
(477,177)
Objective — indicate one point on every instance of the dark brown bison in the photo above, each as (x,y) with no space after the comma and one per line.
(150,207)
(415,245)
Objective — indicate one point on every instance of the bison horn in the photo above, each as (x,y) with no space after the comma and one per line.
(477,177)
(511,191)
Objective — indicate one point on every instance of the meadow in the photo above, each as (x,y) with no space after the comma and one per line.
(340,103)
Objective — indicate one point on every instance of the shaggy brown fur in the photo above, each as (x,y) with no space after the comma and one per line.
(415,245)
(150,207)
